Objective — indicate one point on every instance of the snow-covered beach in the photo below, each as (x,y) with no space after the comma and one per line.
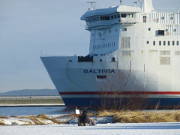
(100,129)
(16,124)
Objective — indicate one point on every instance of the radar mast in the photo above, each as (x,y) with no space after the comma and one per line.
(92,5)
(120,2)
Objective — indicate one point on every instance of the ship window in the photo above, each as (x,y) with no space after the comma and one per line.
(144,19)
(165,52)
(123,15)
(154,43)
(160,32)
(124,29)
(174,30)
(126,53)
(177,52)
(162,18)
(164,42)
(149,29)
(113,59)
(125,42)
(147,42)
(169,43)
(173,43)
(160,43)
(101,77)
(171,18)
(177,42)
(165,60)
(85,59)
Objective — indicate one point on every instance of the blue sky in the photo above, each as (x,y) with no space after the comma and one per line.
(29,28)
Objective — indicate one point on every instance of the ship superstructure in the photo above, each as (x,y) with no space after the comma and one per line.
(133,52)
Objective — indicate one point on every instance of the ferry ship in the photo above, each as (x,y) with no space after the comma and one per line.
(134,56)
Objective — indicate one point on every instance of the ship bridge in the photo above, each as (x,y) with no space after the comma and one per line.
(105,25)
(104,18)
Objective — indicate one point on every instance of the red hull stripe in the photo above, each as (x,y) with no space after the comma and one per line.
(122,93)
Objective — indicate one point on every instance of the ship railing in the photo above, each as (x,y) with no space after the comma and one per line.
(174,22)
(168,10)
(111,22)
(165,16)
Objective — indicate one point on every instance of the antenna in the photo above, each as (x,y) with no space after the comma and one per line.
(92,5)
(120,2)
(141,2)
(135,2)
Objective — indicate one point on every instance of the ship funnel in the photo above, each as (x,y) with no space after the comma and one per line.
(147,6)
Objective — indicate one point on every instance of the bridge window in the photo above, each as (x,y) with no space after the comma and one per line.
(123,15)
(105,18)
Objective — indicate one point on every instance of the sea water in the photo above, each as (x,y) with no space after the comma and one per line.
(20,111)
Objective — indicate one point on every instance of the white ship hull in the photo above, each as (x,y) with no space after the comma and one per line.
(78,85)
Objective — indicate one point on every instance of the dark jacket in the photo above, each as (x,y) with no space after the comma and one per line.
(84,117)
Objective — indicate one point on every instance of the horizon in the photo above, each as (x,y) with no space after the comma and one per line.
(33,28)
